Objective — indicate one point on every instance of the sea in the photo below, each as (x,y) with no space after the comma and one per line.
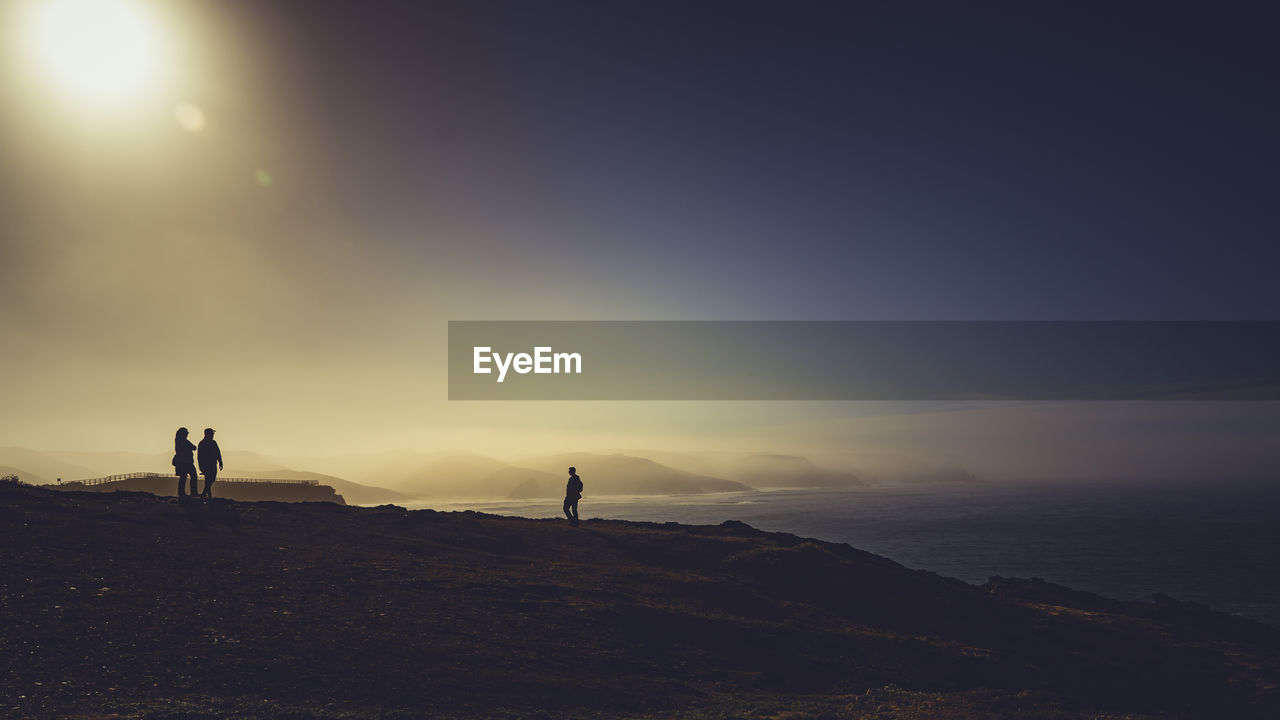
(1212,542)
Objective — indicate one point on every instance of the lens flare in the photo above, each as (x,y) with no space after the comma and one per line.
(189,117)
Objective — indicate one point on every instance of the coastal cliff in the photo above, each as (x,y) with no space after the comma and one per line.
(131,605)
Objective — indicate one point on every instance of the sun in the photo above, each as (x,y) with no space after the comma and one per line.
(98,53)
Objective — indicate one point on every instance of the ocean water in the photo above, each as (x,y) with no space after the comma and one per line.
(1216,543)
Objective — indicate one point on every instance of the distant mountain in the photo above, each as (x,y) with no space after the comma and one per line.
(470,475)
(771,470)
(757,469)
(398,476)
(363,467)
(432,474)
(458,474)
(777,470)
(252,461)
(353,493)
(116,462)
(620,474)
(696,463)
(38,467)
(526,483)
(23,475)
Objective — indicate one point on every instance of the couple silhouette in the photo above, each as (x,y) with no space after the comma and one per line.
(184,464)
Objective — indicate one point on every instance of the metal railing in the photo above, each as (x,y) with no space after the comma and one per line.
(135,475)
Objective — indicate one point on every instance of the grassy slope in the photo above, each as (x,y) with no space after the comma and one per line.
(131,605)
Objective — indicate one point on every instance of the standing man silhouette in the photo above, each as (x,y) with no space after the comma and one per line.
(184,466)
(210,463)
(572,493)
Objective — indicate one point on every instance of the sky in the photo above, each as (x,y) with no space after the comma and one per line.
(270,233)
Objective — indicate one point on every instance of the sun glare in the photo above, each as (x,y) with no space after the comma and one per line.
(96,52)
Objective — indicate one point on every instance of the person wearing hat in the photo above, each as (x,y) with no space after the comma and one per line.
(210,457)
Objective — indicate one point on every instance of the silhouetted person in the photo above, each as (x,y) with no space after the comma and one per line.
(210,462)
(184,464)
(572,493)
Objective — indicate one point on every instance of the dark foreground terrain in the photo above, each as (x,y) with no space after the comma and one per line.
(129,605)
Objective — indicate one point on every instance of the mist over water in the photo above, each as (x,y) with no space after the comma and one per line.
(1209,542)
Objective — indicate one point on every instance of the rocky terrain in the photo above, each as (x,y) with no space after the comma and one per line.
(129,605)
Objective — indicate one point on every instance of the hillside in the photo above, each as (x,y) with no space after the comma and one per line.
(354,493)
(130,606)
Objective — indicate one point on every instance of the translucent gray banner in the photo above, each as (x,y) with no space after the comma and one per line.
(857,360)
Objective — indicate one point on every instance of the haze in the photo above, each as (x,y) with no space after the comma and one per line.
(263,223)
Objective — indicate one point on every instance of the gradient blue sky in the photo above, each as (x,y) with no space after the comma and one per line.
(832,160)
